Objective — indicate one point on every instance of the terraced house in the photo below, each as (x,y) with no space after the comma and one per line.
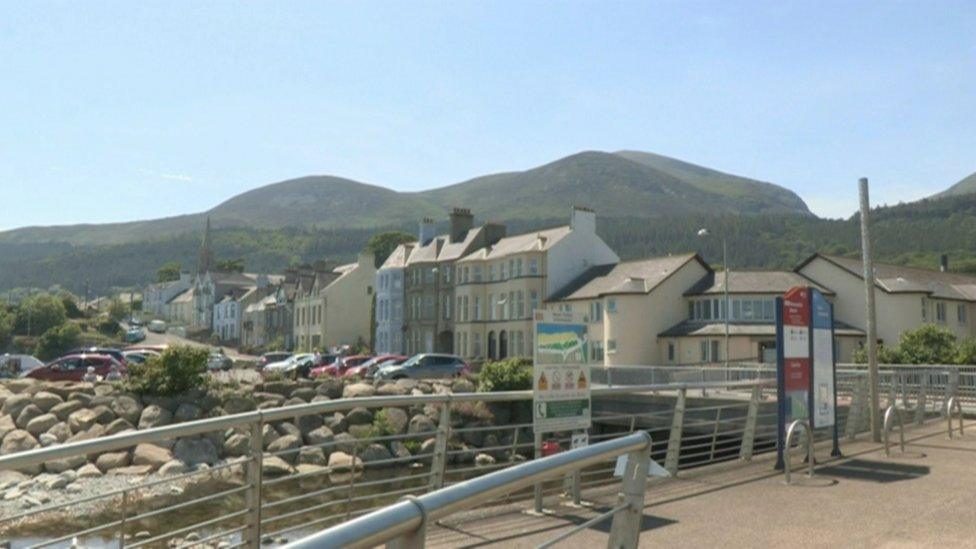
(499,285)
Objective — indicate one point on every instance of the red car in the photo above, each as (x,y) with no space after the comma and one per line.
(339,366)
(74,368)
(375,361)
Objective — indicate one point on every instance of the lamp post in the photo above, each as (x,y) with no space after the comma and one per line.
(725,287)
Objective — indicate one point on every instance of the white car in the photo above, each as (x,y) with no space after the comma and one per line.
(17,365)
(294,366)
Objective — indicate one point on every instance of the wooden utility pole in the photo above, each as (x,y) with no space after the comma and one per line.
(872,329)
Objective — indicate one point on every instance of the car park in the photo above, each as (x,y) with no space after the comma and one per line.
(425,366)
(75,367)
(295,366)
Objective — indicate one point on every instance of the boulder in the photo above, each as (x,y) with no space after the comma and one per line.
(337,422)
(118,426)
(420,423)
(285,447)
(154,416)
(15,404)
(391,389)
(358,390)
(164,402)
(45,400)
(65,409)
(306,394)
(127,408)
(196,450)
(132,470)
(330,387)
(359,416)
(27,414)
(61,431)
(273,466)
(150,454)
(340,462)
(320,398)
(95,431)
(427,448)
(83,397)
(275,398)
(81,420)
(237,404)
(41,424)
(113,460)
(187,412)
(361,431)
(173,467)
(312,456)
(268,435)
(375,452)
(344,442)
(309,423)
(103,414)
(237,445)
(322,435)
(6,425)
(16,441)
(97,400)
(104,389)
(462,385)
(396,418)
(21,385)
(89,471)
(294,401)
(286,428)
(47,439)
(399,449)
(65,464)
(282,388)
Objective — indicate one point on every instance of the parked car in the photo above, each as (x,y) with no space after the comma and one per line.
(13,366)
(371,371)
(157,326)
(135,322)
(275,356)
(425,366)
(363,369)
(138,357)
(219,361)
(74,367)
(134,335)
(110,351)
(339,366)
(157,349)
(295,366)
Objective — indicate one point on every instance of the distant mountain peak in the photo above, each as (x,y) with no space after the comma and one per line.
(965,185)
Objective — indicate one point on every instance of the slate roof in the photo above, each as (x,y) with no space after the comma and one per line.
(901,279)
(753,282)
(626,277)
(398,259)
(527,242)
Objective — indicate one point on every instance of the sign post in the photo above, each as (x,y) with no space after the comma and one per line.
(805,366)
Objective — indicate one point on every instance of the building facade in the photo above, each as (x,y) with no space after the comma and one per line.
(390,301)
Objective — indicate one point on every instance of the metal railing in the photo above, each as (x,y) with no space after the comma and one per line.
(808,435)
(404,524)
(890,413)
(953,404)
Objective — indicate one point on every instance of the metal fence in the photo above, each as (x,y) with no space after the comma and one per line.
(253,498)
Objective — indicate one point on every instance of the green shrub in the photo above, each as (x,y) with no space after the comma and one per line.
(381,426)
(513,374)
(58,340)
(176,371)
(966,352)
(109,327)
(927,344)
(886,355)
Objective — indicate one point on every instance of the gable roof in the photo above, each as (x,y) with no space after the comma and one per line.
(399,257)
(900,279)
(753,282)
(626,277)
(538,241)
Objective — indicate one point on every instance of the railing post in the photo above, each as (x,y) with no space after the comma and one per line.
(674,440)
(439,461)
(922,390)
(626,526)
(254,466)
(749,435)
(415,539)
(537,488)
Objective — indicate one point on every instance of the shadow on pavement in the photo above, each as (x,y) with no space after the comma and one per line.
(874,471)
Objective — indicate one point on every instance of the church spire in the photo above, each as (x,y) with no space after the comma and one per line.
(205,261)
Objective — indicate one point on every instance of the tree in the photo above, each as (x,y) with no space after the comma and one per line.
(231,265)
(39,313)
(71,306)
(118,310)
(58,340)
(383,244)
(927,344)
(966,352)
(169,271)
(175,372)
(6,328)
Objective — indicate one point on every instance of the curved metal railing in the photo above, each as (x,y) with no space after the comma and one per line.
(789,441)
(953,404)
(890,413)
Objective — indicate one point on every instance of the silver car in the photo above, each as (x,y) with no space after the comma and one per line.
(425,366)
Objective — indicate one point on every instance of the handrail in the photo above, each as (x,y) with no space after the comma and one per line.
(200,426)
(953,403)
(789,440)
(889,413)
(408,519)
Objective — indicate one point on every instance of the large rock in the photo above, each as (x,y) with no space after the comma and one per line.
(484,460)
(237,404)
(120,425)
(344,442)
(196,450)
(127,408)
(286,428)
(45,400)
(337,422)
(462,386)
(283,388)
(187,412)
(312,456)
(89,471)
(341,462)
(358,390)
(65,464)
(322,435)
(81,420)
(273,466)
(391,389)
(309,423)
(132,470)
(96,430)
(362,431)
(306,394)
(103,414)
(83,397)
(150,454)
(375,452)
(173,467)
(237,445)
(396,418)
(15,404)
(285,447)
(164,402)
(399,449)
(6,425)
(268,435)
(274,398)
(154,416)
(420,423)
(113,460)
(330,387)
(61,431)
(18,440)
(41,424)
(27,414)
(65,409)
(359,416)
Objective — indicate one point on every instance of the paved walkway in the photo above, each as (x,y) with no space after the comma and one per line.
(926,498)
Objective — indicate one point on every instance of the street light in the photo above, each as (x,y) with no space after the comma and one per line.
(703,233)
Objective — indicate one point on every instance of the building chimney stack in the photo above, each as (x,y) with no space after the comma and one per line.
(461,223)
(944,263)
(583,220)
(426,231)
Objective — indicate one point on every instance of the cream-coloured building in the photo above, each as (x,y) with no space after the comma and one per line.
(905,297)
(333,307)
(498,286)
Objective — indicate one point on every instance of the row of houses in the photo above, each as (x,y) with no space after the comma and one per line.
(472,291)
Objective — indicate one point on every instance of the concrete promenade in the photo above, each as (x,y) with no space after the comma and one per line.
(925,498)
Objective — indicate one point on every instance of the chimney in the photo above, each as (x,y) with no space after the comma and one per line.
(493,233)
(583,220)
(461,223)
(426,231)
(944,263)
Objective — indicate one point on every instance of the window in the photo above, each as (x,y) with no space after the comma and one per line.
(706,310)
(611,346)
(429,275)
(476,345)
(520,305)
(491,306)
(491,272)
(714,346)
(596,311)
(925,307)
(940,312)
(596,351)
(460,309)
(477,274)
(503,273)
(746,310)
(447,275)
(736,310)
(670,351)
(510,305)
(447,309)
(691,310)
(611,305)
(533,300)
(703,348)
(477,307)
(961,313)
(511,268)
(534,266)
(698,310)
(518,267)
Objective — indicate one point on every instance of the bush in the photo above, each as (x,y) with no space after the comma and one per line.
(109,327)
(177,370)
(39,313)
(513,374)
(886,355)
(927,344)
(966,352)
(117,310)
(57,341)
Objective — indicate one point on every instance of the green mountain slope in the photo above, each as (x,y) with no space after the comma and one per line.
(966,185)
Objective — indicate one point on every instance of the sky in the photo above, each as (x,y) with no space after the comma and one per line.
(114,111)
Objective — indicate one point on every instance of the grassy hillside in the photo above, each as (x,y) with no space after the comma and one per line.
(965,186)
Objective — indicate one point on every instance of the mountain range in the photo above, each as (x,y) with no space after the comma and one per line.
(647,204)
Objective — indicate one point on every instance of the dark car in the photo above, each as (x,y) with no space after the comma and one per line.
(272,357)
(110,351)
(74,367)
(425,366)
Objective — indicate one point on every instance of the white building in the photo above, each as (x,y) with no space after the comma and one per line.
(390,302)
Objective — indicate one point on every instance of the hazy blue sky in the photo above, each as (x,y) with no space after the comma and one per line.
(128,110)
